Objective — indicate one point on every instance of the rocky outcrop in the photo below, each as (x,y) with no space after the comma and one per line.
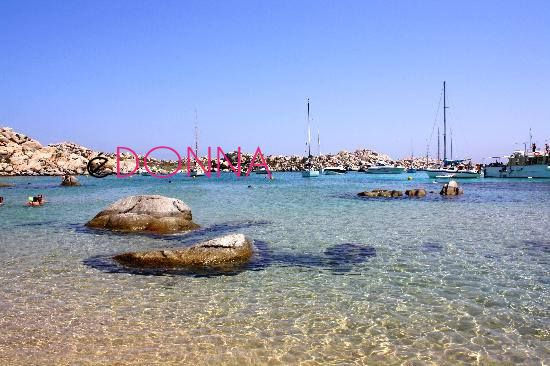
(145,213)
(451,189)
(6,185)
(421,192)
(22,155)
(69,181)
(381,193)
(231,249)
(386,193)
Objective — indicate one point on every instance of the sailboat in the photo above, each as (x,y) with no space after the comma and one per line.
(451,168)
(197,171)
(411,168)
(321,169)
(309,171)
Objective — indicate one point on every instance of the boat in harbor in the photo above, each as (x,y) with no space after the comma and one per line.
(143,172)
(411,168)
(335,170)
(383,167)
(521,164)
(321,169)
(261,171)
(456,169)
(309,170)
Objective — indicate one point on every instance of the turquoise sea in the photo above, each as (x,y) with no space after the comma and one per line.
(336,279)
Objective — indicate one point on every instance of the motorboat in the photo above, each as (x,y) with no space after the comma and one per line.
(385,168)
(308,173)
(335,170)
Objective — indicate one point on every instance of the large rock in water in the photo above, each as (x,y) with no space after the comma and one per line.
(70,181)
(231,249)
(145,213)
(421,192)
(451,189)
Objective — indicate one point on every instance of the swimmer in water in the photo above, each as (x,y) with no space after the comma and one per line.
(36,200)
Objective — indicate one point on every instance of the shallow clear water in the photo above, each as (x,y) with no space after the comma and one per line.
(460,280)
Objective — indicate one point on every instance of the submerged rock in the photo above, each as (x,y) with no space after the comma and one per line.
(145,213)
(349,253)
(233,249)
(451,189)
(421,192)
(69,181)
(381,193)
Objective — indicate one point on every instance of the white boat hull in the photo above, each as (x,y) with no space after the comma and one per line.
(310,173)
(466,175)
(334,170)
(195,173)
(518,171)
(384,170)
(458,174)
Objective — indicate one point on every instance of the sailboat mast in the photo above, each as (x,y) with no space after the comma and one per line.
(444,125)
(308,132)
(451,144)
(319,143)
(196,135)
(438,145)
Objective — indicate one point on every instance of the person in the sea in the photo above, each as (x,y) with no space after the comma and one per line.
(36,200)
(1,200)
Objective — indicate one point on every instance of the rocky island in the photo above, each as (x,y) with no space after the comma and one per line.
(23,155)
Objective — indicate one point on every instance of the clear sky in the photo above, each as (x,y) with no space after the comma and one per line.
(130,73)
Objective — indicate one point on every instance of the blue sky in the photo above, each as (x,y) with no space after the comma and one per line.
(130,73)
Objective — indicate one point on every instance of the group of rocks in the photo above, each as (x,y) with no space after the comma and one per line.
(163,215)
(448,189)
(386,193)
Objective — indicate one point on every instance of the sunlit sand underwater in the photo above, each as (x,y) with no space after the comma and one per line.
(336,279)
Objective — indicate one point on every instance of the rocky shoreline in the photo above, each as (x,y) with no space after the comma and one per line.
(22,155)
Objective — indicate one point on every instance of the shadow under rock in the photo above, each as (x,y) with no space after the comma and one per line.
(339,259)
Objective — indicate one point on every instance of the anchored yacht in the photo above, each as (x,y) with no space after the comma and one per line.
(384,168)
(335,170)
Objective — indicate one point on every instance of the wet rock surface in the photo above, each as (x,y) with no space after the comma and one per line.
(233,249)
(70,181)
(421,192)
(386,193)
(145,213)
(451,189)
